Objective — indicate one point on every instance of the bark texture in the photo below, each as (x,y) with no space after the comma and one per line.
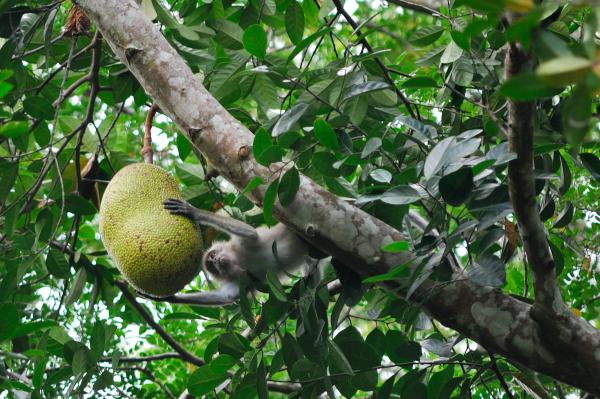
(567,349)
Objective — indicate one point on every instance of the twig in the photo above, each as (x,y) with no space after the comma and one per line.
(146,151)
(498,373)
(141,359)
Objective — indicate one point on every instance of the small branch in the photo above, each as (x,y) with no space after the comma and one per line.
(496,370)
(146,151)
(141,359)
(185,355)
(340,7)
(521,182)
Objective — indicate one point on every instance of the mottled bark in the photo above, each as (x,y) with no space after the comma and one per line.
(500,323)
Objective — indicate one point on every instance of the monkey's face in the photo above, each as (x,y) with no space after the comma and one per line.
(221,263)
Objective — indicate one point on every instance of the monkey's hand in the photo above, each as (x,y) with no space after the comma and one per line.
(180,207)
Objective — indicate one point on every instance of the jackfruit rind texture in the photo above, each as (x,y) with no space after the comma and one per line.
(157,252)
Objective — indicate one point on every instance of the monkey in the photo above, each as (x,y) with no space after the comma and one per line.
(249,250)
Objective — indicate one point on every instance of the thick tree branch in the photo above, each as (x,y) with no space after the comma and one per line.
(521,182)
(564,347)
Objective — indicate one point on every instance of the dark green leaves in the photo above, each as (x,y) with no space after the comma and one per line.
(78,205)
(39,107)
(527,87)
(265,152)
(8,321)
(255,41)
(294,22)
(457,186)
(288,186)
(426,36)
(325,134)
(14,129)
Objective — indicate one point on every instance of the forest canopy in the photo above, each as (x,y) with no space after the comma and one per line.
(439,159)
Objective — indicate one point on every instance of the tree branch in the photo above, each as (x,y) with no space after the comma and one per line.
(521,182)
(185,355)
(565,347)
(141,359)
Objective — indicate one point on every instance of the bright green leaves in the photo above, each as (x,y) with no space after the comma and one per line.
(255,41)
(294,22)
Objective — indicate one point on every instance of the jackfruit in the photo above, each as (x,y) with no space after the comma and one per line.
(157,252)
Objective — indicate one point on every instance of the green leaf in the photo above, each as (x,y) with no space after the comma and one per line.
(288,186)
(184,147)
(324,163)
(57,264)
(365,87)
(204,380)
(563,71)
(592,163)
(265,152)
(526,87)
(565,217)
(294,22)
(326,135)
(372,145)
(222,363)
(457,186)
(286,122)
(419,82)
(269,201)
(338,360)
(233,344)
(426,36)
(306,42)
(255,41)
(14,129)
(39,108)
(78,205)
(401,195)
(31,327)
(275,286)
(76,287)
(396,247)
(8,321)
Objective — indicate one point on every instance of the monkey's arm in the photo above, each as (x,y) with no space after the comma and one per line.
(228,225)
(226,294)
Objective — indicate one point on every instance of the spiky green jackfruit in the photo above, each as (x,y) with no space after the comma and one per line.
(157,252)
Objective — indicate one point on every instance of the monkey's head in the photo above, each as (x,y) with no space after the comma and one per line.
(220,261)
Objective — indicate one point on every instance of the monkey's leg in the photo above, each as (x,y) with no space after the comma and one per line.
(228,225)
(226,294)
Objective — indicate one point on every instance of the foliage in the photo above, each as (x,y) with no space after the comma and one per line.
(327,96)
